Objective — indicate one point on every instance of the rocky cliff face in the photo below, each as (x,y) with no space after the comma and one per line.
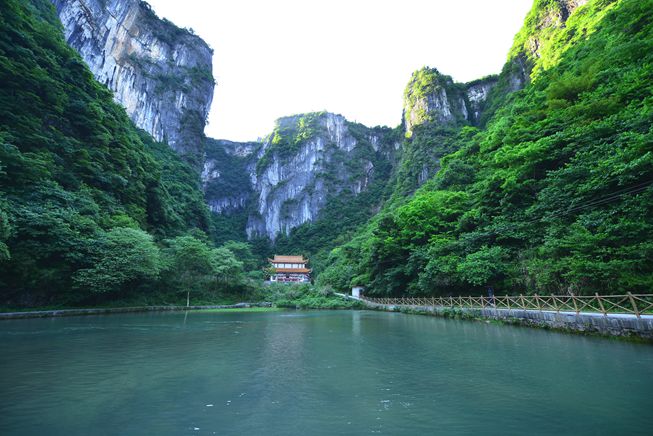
(289,178)
(305,161)
(160,73)
(432,97)
(476,94)
(226,174)
(434,107)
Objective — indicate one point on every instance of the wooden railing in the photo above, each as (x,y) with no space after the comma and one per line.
(632,304)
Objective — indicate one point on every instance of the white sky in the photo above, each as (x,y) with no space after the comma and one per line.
(354,57)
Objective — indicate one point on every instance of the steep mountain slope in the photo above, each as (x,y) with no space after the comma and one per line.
(315,177)
(552,191)
(161,74)
(309,159)
(72,165)
(435,107)
(226,175)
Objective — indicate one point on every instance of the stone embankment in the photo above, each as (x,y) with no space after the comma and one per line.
(623,325)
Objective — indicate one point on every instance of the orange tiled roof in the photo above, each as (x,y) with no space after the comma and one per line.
(288,259)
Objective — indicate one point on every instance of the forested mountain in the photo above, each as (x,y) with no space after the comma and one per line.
(537,179)
(88,203)
(309,184)
(551,190)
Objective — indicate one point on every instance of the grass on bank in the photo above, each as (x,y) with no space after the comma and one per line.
(304,296)
(282,296)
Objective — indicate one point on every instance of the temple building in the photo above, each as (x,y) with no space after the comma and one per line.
(289,269)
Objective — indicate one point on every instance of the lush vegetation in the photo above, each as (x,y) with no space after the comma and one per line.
(553,193)
(91,209)
(305,296)
(550,191)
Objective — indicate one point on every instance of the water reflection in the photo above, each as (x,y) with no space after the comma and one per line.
(314,373)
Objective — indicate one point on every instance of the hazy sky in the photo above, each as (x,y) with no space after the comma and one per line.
(354,57)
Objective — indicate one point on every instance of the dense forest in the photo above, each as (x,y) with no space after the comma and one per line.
(551,192)
(548,190)
(91,209)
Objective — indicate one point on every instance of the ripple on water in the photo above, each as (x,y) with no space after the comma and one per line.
(288,373)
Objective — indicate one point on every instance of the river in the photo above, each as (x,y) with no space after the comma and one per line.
(321,372)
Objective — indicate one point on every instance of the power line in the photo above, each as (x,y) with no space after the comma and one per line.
(615,194)
(612,196)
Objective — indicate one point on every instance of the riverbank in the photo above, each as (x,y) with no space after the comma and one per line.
(611,325)
(111,310)
(271,297)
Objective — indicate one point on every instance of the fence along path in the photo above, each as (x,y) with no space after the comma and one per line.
(630,304)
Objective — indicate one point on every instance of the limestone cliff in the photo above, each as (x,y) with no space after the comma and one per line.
(160,73)
(305,161)
(226,174)
(476,94)
(432,97)
(289,178)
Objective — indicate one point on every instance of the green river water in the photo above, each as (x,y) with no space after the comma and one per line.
(322,372)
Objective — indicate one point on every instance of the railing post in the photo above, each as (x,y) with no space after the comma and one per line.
(600,304)
(537,301)
(634,303)
(451,301)
(555,303)
(521,299)
(482,302)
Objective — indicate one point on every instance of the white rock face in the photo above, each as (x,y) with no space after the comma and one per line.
(161,74)
(209,171)
(292,191)
(446,102)
(435,106)
(477,94)
(226,174)
(240,149)
(227,204)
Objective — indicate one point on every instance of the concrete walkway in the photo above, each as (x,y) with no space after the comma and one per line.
(610,315)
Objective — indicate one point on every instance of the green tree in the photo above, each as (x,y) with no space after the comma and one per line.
(483,267)
(190,265)
(226,268)
(126,259)
(5,232)
(243,251)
